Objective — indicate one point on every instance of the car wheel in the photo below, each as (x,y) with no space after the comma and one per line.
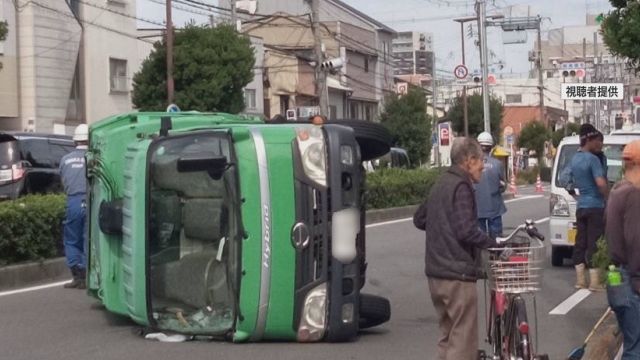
(557,256)
(374,310)
(374,139)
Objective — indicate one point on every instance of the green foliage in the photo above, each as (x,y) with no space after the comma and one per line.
(533,136)
(529,176)
(399,187)
(31,228)
(407,120)
(211,67)
(475,114)
(558,135)
(620,31)
(601,258)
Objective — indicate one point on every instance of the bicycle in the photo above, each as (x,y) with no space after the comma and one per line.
(514,269)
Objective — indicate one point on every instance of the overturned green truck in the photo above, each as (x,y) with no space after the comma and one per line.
(228,227)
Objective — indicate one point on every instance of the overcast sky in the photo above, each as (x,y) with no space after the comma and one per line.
(435,16)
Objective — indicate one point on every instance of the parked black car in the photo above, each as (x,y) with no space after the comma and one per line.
(29,163)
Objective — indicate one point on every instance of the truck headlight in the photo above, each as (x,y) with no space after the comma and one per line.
(559,206)
(313,322)
(345,225)
(313,153)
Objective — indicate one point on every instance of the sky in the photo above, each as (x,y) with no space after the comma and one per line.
(436,17)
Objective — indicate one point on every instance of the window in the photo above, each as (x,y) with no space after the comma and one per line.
(353,110)
(37,152)
(284,104)
(550,74)
(514,98)
(250,98)
(366,64)
(117,75)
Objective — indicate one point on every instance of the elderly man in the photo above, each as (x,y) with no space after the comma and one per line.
(453,243)
(623,236)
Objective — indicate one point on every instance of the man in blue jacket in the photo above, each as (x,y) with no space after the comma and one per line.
(72,172)
(489,190)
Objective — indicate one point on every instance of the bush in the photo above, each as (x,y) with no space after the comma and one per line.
(399,187)
(31,228)
(528,177)
(601,258)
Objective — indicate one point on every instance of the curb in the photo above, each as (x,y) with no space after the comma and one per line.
(15,276)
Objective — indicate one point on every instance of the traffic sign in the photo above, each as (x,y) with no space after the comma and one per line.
(461,72)
(402,88)
(509,139)
(508,130)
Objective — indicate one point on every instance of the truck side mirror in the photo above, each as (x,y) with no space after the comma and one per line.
(214,165)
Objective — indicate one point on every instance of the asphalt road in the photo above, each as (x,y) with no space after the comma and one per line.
(55,323)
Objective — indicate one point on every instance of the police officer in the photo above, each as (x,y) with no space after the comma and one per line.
(72,172)
(489,190)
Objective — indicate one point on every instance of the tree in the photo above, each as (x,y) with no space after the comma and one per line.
(4,30)
(558,135)
(476,116)
(407,120)
(533,137)
(620,31)
(211,67)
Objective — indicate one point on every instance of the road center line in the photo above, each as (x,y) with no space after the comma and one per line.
(570,302)
(33,288)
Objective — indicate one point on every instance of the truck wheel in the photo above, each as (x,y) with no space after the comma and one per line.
(374,310)
(374,139)
(557,256)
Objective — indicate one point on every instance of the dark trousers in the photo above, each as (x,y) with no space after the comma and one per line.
(590,229)
(625,302)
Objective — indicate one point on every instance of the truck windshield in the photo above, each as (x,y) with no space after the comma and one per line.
(193,236)
(613,152)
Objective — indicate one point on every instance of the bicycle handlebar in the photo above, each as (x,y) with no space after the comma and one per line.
(528,227)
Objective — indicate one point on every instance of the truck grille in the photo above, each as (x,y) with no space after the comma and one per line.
(312,209)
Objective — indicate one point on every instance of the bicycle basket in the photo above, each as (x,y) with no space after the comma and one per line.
(517,268)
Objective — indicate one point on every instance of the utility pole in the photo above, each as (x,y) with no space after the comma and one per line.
(169,31)
(481,7)
(465,106)
(543,117)
(434,98)
(234,16)
(321,76)
(596,65)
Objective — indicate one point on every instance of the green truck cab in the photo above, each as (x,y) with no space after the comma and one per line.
(225,226)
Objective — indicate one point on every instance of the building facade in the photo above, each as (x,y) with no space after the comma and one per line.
(377,65)
(413,53)
(62,66)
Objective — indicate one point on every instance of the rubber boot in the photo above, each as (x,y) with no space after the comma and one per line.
(75,282)
(594,280)
(82,278)
(581,280)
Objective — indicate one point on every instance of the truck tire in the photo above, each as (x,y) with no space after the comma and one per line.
(374,139)
(374,310)
(557,256)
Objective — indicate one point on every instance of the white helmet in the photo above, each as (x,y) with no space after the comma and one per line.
(81,133)
(485,139)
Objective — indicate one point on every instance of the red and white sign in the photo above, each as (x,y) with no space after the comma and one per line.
(491,79)
(402,88)
(461,72)
(444,134)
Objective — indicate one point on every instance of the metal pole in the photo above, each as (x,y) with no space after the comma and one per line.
(465,106)
(170,85)
(234,18)
(585,117)
(434,98)
(596,64)
(321,76)
(482,12)
(543,118)
(564,106)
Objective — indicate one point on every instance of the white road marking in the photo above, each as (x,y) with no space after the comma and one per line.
(33,288)
(570,302)
(528,197)
(388,222)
